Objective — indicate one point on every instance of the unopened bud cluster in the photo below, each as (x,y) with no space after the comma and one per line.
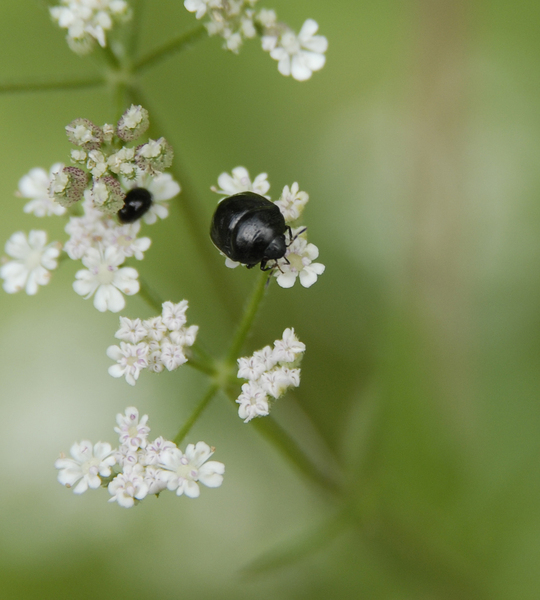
(101,151)
(105,169)
(138,467)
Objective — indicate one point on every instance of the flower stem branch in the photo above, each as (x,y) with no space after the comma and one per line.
(250,313)
(176,45)
(46,85)
(150,296)
(197,411)
(279,438)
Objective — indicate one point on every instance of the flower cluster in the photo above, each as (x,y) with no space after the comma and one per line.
(298,55)
(270,372)
(299,256)
(155,344)
(138,467)
(107,171)
(87,21)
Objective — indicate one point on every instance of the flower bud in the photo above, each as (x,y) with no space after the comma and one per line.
(67,185)
(133,123)
(107,195)
(83,133)
(155,156)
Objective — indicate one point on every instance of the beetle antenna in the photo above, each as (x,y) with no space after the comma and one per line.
(291,235)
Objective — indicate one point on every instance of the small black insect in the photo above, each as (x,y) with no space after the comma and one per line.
(136,203)
(249,229)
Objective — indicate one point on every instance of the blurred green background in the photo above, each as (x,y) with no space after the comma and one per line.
(419,145)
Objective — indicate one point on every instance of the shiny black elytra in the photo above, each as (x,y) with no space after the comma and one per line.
(136,203)
(249,229)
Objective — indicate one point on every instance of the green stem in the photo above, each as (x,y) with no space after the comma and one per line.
(199,408)
(149,295)
(176,45)
(190,205)
(248,318)
(288,447)
(41,86)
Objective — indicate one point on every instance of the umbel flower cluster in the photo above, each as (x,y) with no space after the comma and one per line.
(270,373)
(87,21)
(154,344)
(298,55)
(299,257)
(138,467)
(91,194)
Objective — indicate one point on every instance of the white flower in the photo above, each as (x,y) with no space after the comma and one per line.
(130,360)
(184,471)
(174,315)
(105,279)
(131,331)
(155,479)
(35,184)
(300,256)
(127,456)
(300,55)
(128,486)
(292,202)
(287,349)
(124,238)
(86,466)
(239,181)
(172,356)
(33,261)
(185,336)
(155,449)
(155,328)
(196,6)
(250,367)
(253,402)
(133,432)
(88,20)
(276,381)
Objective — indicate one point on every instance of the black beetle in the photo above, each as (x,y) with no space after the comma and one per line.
(136,203)
(249,229)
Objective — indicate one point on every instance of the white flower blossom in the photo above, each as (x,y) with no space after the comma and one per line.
(35,185)
(298,262)
(87,21)
(299,55)
(130,360)
(132,431)
(174,315)
(103,277)
(155,449)
(129,486)
(87,464)
(240,181)
(292,202)
(155,328)
(287,349)
(253,402)
(131,331)
(185,471)
(34,258)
